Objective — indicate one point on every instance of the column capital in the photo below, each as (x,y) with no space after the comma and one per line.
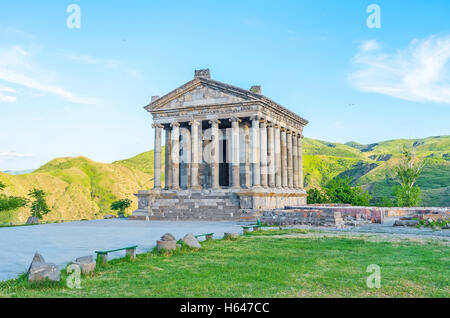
(157,126)
(214,121)
(256,118)
(175,124)
(234,119)
(195,122)
(283,129)
(263,123)
(270,124)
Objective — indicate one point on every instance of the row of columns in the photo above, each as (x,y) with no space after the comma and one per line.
(273,155)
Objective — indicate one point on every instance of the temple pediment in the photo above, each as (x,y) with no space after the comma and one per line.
(198,94)
(204,95)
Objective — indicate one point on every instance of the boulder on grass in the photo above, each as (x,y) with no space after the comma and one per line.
(168,237)
(40,271)
(166,245)
(32,220)
(191,241)
(109,216)
(86,263)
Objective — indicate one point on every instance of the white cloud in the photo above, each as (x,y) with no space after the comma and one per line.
(419,72)
(7,98)
(16,67)
(15,155)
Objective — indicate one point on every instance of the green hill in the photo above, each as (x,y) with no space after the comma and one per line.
(374,162)
(79,188)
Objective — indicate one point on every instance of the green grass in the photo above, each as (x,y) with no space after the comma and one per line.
(258,265)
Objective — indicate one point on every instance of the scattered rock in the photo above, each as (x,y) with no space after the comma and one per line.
(109,216)
(230,236)
(86,263)
(191,241)
(166,245)
(168,237)
(39,270)
(32,220)
(406,223)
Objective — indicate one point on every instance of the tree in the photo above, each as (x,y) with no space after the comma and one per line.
(315,196)
(121,205)
(339,190)
(10,203)
(39,206)
(406,173)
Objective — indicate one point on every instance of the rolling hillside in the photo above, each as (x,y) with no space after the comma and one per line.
(369,166)
(80,188)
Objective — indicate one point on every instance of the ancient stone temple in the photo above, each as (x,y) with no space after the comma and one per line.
(229,153)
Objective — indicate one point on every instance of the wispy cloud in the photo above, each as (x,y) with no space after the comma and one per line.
(107,63)
(420,72)
(7,98)
(17,67)
(14,155)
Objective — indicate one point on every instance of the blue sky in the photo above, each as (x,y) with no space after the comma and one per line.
(70,92)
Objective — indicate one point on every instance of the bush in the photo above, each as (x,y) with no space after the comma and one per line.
(339,190)
(8,203)
(121,205)
(315,196)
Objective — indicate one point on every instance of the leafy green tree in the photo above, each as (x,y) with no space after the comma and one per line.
(408,193)
(315,196)
(39,206)
(10,203)
(339,190)
(121,205)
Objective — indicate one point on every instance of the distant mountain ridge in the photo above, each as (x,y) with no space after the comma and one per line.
(18,172)
(79,188)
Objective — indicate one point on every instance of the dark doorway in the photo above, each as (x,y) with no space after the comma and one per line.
(224,180)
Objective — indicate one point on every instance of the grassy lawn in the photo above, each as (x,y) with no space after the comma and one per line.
(266,266)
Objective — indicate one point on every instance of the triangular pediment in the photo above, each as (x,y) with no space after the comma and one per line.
(201,92)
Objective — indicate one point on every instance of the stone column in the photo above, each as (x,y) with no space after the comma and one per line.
(248,182)
(196,154)
(277,137)
(235,152)
(256,168)
(215,153)
(284,169)
(187,155)
(271,155)
(289,160)
(263,148)
(168,158)
(175,155)
(295,158)
(157,157)
(300,160)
